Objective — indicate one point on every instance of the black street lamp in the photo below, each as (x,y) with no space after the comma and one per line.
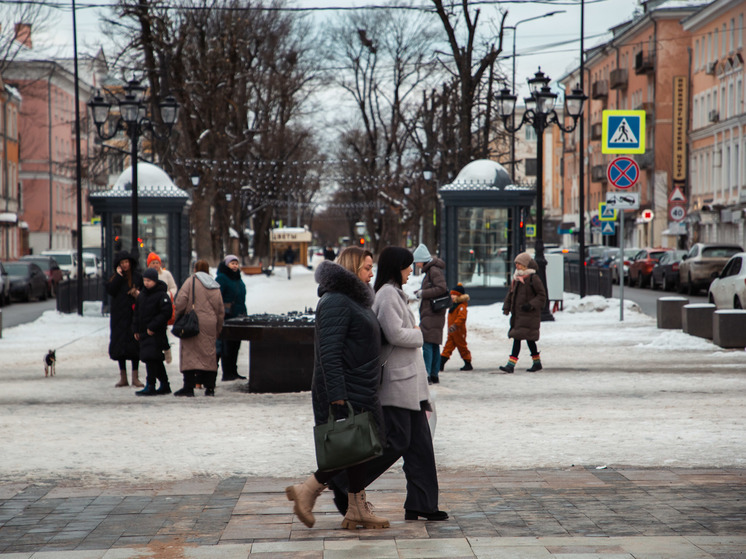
(134,119)
(540,114)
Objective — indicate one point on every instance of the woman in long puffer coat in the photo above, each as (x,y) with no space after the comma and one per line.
(346,369)
(524,302)
(233,290)
(123,288)
(197,354)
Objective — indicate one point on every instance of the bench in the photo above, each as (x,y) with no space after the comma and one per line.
(729,328)
(252,270)
(696,319)
(669,311)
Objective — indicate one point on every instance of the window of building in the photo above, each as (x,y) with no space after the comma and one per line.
(732,34)
(725,41)
(530,133)
(709,48)
(530,166)
(740,31)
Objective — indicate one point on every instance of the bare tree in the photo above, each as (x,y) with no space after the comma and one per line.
(18,20)
(241,73)
(381,58)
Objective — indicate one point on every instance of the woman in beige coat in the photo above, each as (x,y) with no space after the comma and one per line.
(198,357)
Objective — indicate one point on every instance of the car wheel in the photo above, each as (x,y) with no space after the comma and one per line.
(640,280)
(664,283)
(737,303)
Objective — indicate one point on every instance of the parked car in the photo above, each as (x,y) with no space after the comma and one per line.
(51,269)
(4,286)
(67,260)
(728,289)
(629,254)
(607,256)
(666,270)
(642,265)
(702,263)
(27,281)
(91,265)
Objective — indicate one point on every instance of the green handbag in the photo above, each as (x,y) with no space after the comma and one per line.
(348,441)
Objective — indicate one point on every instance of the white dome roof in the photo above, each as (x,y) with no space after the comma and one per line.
(481,174)
(152,182)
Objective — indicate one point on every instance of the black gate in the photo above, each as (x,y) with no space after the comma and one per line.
(67,293)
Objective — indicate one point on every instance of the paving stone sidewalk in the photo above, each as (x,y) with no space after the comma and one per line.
(574,513)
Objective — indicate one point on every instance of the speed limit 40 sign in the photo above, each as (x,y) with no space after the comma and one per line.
(676,212)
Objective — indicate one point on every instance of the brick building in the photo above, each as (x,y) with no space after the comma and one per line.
(12,227)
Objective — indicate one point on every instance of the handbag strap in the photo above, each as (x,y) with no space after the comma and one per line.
(194,280)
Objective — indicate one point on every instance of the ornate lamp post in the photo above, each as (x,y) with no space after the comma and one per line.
(540,115)
(134,119)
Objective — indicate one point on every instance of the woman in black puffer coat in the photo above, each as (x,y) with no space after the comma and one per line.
(346,369)
(123,288)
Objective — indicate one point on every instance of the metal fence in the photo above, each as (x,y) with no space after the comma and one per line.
(597,280)
(67,293)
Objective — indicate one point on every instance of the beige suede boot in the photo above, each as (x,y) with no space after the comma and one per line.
(304,496)
(136,379)
(359,513)
(122,379)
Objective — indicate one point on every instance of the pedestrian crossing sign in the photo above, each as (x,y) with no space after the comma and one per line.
(623,132)
(606,212)
(608,228)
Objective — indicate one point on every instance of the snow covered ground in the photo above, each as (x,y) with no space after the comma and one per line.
(611,393)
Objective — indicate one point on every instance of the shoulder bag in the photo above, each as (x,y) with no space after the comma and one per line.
(346,441)
(438,304)
(187,324)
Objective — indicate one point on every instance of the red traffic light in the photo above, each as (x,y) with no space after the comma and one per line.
(362,241)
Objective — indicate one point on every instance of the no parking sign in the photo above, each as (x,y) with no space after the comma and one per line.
(623,172)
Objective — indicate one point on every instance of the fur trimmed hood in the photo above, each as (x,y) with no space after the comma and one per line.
(333,278)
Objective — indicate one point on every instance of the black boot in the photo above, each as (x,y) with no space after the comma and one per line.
(467,366)
(149,390)
(341,499)
(188,389)
(443,361)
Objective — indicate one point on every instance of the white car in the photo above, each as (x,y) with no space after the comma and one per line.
(91,265)
(728,289)
(66,259)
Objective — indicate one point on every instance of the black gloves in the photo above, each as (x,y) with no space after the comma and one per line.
(526,307)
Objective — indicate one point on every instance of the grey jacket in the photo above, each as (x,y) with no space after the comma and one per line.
(404,383)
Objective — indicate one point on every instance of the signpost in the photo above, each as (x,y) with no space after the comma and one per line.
(623,132)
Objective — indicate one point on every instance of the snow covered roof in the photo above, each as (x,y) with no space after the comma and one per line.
(152,182)
(482,174)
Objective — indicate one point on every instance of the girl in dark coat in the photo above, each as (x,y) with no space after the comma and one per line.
(152,312)
(346,369)
(123,287)
(233,290)
(524,302)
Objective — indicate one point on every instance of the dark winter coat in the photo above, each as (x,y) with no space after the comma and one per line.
(233,290)
(152,312)
(122,344)
(347,344)
(289,256)
(524,325)
(433,285)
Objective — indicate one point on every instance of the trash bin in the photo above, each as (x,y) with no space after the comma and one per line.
(281,349)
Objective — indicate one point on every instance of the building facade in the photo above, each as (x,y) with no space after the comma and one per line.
(638,69)
(13,235)
(717,141)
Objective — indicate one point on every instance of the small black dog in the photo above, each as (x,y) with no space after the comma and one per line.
(49,361)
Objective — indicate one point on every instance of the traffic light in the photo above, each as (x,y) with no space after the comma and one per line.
(361,241)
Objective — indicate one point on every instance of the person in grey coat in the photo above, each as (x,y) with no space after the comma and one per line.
(431,322)
(404,393)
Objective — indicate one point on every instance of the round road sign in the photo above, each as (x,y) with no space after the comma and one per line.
(677,212)
(623,172)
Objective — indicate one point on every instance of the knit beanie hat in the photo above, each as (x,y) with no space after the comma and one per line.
(230,258)
(458,289)
(153,256)
(150,274)
(421,254)
(523,258)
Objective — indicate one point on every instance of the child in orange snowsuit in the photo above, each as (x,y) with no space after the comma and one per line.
(457,329)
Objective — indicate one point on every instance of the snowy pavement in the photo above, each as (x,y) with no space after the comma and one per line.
(612,394)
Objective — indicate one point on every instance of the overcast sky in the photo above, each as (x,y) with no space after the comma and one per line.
(552,42)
